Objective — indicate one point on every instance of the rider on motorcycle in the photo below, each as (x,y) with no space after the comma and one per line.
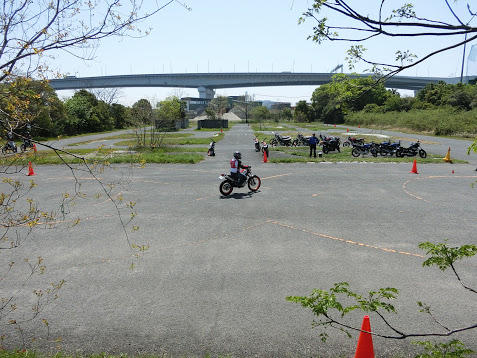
(235,166)
(10,141)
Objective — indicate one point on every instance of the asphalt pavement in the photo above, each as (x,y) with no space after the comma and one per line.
(218,269)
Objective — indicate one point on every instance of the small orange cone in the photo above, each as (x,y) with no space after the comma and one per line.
(30,170)
(347,130)
(34,147)
(359,126)
(364,349)
(447,158)
(265,159)
(452,171)
(414,168)
(221,130)
(334,125)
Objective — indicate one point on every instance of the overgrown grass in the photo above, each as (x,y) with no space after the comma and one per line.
(301,154)
(443,121)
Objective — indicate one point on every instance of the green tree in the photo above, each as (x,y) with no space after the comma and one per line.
(303,112)
(344,94)
(121,115)
(143,118)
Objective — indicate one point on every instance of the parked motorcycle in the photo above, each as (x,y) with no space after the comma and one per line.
(411,151)
(388,148)
(365,149)
(330,143)
(281,140)
(300,140)
(10,146)
(211,151)
(228,183)
(351,141)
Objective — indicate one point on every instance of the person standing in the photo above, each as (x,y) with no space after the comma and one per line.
(265,148)
(313,141)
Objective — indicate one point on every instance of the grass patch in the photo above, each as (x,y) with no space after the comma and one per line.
(268,128)
(445,121)
(158,155)
(301,154)
(130,136)
(175,141)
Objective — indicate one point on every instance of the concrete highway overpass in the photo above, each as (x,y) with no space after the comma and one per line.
(207,83)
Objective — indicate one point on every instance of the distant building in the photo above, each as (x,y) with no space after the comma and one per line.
(195,103)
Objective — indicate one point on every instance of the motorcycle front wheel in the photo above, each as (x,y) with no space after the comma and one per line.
(254,183)
(226,188)
(422,153)
(325,149)
(346,144)
(399,153)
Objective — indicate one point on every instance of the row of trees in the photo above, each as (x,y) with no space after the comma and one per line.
(82,113)
(331,102)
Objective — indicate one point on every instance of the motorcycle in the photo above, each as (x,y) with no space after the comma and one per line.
(388,148)
(330,143)
(365,149)
(211,151)
(281,140)
(300,140)
(9,146)
(228,183)
(26,144)
(412,151)
(352,141)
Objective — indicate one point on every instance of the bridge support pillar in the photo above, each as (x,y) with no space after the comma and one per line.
(206,92)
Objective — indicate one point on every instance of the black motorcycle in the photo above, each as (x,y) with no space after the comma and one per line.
(330,144)
(211,151)
(365,149)
(281,140)
(228,183)
(352,141)
(412,151)
(10,146)
(300,140)
(26,144)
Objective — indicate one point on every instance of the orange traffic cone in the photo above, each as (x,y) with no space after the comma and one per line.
(364,349)
(447,158)
(265,159)
(34,147)
(414,168)
(334,125)
(359,126)
(30,170)
(221,130)
(347,130)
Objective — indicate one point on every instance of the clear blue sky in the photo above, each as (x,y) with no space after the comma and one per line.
(242,36)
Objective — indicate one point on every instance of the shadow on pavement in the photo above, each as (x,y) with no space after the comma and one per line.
(240,195)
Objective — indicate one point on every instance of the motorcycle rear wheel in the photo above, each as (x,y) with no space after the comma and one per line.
(226,188)
(355,152)
(254,183)
(346,144)
(399,153)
